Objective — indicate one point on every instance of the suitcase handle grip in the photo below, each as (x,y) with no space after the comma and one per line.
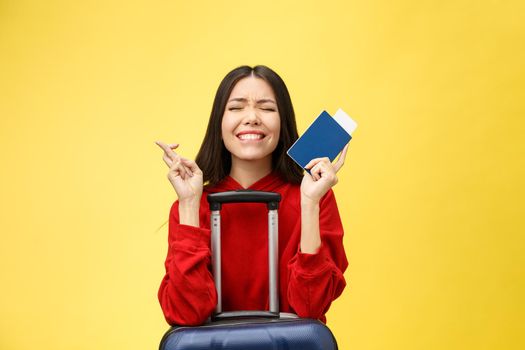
(244,314)
(272,199)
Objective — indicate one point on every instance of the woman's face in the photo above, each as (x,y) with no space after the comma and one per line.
(251,123)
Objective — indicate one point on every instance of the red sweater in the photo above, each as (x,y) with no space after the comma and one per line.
(308,283)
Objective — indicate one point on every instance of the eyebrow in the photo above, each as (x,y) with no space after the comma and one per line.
(242,99)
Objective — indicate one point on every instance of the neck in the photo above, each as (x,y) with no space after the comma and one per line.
(247,172)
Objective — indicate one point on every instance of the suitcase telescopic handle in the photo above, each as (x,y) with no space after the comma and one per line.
(272,200)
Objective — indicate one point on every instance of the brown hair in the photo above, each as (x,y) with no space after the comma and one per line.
(215,160)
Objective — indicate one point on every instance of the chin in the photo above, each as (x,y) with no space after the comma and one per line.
(252,156)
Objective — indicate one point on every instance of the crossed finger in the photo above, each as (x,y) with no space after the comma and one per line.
(174,161)
(169,155)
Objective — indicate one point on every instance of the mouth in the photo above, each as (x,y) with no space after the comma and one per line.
(250,136)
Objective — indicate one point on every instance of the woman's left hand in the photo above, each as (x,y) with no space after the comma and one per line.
(323,177)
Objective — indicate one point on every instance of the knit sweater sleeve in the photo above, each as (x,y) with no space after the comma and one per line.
(187,292)
(315,280)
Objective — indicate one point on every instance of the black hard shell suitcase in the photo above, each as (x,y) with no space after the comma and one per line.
(249,330)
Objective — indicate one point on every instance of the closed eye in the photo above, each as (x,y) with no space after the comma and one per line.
(264,109)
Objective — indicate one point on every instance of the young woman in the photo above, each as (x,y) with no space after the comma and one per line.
(252,124)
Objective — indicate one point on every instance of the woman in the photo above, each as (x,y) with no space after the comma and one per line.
(252,124)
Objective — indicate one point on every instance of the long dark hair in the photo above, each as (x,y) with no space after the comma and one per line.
(213,157)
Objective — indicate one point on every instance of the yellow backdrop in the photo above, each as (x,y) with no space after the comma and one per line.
(431,194)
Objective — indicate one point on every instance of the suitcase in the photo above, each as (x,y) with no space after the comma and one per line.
(249,330)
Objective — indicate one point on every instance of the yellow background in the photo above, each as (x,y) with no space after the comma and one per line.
(431,194)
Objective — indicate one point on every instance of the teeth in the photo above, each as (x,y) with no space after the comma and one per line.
(250,136)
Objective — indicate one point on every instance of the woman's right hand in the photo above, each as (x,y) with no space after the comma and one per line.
(184,175)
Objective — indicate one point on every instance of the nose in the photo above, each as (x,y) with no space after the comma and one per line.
(251,117)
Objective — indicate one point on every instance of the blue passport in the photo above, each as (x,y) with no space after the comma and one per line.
(325,137)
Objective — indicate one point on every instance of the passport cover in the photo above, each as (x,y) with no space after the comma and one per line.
(325,137)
